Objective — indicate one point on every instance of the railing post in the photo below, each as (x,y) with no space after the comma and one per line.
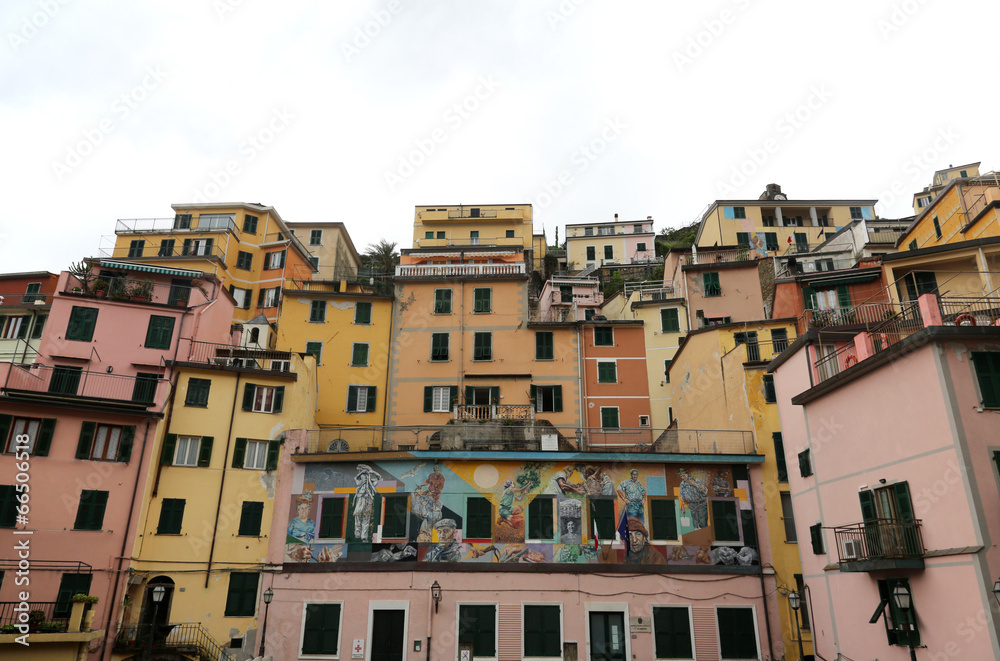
(930,311)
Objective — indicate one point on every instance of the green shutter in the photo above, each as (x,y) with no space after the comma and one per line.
(239,452)
(331,522)
(205,451)
(779,456)
(809,298)
(867,505)
(169,447)
(902,491)
(987,367)
(248,393)
(86,441)
(22,329)
(494,395)
(352,398)
(557,402)
(428,398)
(5,424)
(279,399)
(273,451)
(816,538)
(452,397)
(250,518)
(125,447)
(372,400)
(843,297)
(540,518)
(663,515)
(468,395)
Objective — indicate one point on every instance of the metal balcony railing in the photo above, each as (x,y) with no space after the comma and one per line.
(865,313)
(159,225)
(8,300)
(710,256)
(479,435)
(189,639)
(879,539)
(153,251)
(970,311)
(459,270)
(127,289)
(763,351)
(229,355)
(494,412)
(75,383)
(472,212)
(650,290)
(47,610)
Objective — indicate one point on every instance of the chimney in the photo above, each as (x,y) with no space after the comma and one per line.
(616,218)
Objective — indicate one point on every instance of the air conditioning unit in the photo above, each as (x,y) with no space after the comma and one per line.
(852,549)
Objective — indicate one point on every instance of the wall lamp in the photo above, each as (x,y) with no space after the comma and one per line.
(436,594)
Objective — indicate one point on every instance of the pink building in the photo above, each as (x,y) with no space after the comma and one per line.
(77,427)
(890,437)
(569,298)
(721,285)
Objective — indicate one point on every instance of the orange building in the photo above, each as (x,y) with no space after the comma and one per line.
(616,390)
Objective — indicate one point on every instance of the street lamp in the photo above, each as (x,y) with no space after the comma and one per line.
(436,594)
(268,596)
(158,593)
(795,601)
(904,602)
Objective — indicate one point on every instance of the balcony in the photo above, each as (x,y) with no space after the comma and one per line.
(757,352)
(706,257)
(460,270)
(67,384)
(969,311)
(654,290)
(494,412)
(880,544)
(195,249)
(481,241)
(538,436)
(22,299)
(188,639)
(233,356)
(132,290)
(554,315)
(472,212)
(219,223)
(42,616)
(865,313)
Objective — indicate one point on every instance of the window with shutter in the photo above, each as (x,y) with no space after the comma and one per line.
(361,399)
(711,283)
(160,332)
(362,313)
(8,506)
(197,392)
(482,299)
(90,513)
(359,354)
(609,417)
(544,345)
(81,324)
(607,372)
(604,336)
(316,349)
(816,538)
(779,456)
(241,599)
(250,518)
(482,346)
(725,520)
(737,633)
(250,224)
(805,464)
(317,312)
(672,632)
(69,585)
(769,394)
(663,518)
(331,518)
(442,301)
(395,515)
(540,518)
(171,516)
(788,518)
(670,320)
(548,399)
(477,626)
(321,629)
(602,514)
(478,518)
(987,367)
(439,346)
(542,631)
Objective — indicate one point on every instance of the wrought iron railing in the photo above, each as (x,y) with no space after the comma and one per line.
(229,355)
(189,639)
(476,435)
(459,270)
(7,300)
(763,351)
(879,539)
(138,291)
(39,613)
(153,250)
(865,313)
(970,311)
(68,382)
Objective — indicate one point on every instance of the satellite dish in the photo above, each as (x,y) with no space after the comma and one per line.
(338,445)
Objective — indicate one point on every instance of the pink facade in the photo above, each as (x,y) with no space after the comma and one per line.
(570,299)
(906,434)
(721,291)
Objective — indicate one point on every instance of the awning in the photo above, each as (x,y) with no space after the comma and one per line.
(149,268)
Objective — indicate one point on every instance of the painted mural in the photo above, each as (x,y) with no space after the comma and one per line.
(423,511)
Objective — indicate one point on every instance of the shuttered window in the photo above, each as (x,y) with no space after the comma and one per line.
(478,519)
(542,634)
(540,518)
(241,599)
(90,513)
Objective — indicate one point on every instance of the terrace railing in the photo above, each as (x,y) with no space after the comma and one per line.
(67,382)
(879,539)
(553,315)
(970,311)
(22,298)
(48,609)
(763,351)
(230,355)
(459,270)
(189,639)
(494,412)
(159,225)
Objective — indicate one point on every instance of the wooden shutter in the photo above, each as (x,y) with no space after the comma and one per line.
(494,395)
(125,447)
(352,399)
(86,441)
(205,451)
(779,456)
(169,447)
(331,523)
(816,537)
(468,395)
(370,404)
(843,297)
(452,396)
(867,505)
(663,516)
(805,464)
(239,452)
(273,451)
(557,401)
(902,492)
(428,398)
(279,399)
(6,421)
(987,367)
(248,393)
(809,298)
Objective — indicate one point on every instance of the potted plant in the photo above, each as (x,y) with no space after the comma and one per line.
(141,290)
(101,288)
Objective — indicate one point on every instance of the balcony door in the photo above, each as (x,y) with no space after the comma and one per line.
(607,636)
(387,635)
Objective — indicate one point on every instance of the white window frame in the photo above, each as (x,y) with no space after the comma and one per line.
(107,442)
(360,401)
(189,443)
(261,403)
(199,247)
(435,394)
(9,327)
(562,630)
(240,296)
(606,607)
(496,627)
(652,622)
(278,365)
(274,260)
(255,453)
(643,420)
(756,628)
(26,423)
(340,633)
(270,297)
(386,606)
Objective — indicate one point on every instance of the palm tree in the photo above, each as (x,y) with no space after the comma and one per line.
(381,257)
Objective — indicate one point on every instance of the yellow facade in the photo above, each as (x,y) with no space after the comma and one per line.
(212,544)
(239,243)
(718,384)
(619,242)
(473,225)
(965,210)
(351,345)
(331,247)
(941,179)
(796,224)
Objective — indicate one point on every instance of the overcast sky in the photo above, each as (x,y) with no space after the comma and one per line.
(358,111)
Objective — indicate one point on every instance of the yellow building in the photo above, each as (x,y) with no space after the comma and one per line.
(247,246)
(775,224)
(346,325)
(616,243)
(663,312)
(941,179)
(207,508)
(473,225)
(333,252)
(718,380)
(964,210)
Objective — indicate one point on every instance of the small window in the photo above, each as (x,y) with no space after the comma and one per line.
(360,399)
(428,235)
(241,601)
(643,420)
(670,320)
(816,538)
(331,518)
(544,345)
(607,372)
(81,324)
(779,457)
(167,247)
(250,224)
(737,633)
(317,312)
(478,518)
(666,370)
(31,294)
(315,237)
(267,297)
(440,235)
(160,332)
(711,282)
(602,517)
(439,346)
(937,227)
(912,245)
(805,464)
(663,518)
(274,260)
(438,399)
(359,354)
(482,346)
(739,212)
(987,367)
(542,631)
(788,517)
(171,516)
(250,518)
(672,632)
(725,520)
(856,213)
(186,451)
(263,399)
(510,234)
(604,336)
(395,514)
(256,455)
(591,254)
(609,417)
(477,625)
(548,399)
(769,394)
(244,260)
(321,629)
(482,299)
(135,248)
(540,517)
(90,513)
(197,392)
(33,434)
(609,252)
(442,301)
(363,313)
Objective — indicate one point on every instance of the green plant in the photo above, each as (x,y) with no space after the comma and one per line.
(51,627)
(101,285)
(141,289)
(83,599)
(84,272)
(9,628)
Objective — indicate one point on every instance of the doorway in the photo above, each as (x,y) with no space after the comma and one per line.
(607,636)
(387,635)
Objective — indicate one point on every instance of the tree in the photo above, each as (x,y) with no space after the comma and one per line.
(381,257)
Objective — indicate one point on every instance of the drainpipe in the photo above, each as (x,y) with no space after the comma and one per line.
(222,481)
(763,588)
(461,333)
(582,382)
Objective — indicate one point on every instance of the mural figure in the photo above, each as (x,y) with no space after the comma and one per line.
(514,553)
(695,494)
(364,499)
(633,493)
(575,553)
(448,548)
(426,503)
(434,483)
(570,513)
(507,507)
(561,484)
(721,486)
(302,527)
(641,553)
(597,482)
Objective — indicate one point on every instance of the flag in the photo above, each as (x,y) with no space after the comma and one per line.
(597,541)
(789,239)
(624,533)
